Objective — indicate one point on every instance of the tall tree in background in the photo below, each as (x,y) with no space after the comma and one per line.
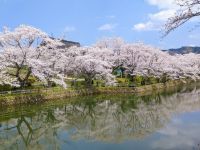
(188,10)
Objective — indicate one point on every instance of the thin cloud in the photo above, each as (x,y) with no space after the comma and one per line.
(167,9)
(162,15)
(69,29)
(111,17)
(107,27)
(163,4)
(148,26)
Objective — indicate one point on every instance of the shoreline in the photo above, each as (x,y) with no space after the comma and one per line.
(49,95)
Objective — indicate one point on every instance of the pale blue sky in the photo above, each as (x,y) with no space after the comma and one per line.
(86,21)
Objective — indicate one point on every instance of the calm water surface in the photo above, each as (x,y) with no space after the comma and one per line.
(170,120)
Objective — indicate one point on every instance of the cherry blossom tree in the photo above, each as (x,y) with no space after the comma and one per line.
(135,58)
(90,63)
(188,9)
(186,66)
(23,53)
(115,44)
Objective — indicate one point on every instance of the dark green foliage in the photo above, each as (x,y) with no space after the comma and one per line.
(164,78)
(5,87)
(138,80)
(31,81)
(122,82)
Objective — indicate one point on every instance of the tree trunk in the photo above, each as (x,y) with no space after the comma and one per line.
(24,82)
(88,82)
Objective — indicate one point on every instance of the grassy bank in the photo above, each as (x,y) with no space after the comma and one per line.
(41,95)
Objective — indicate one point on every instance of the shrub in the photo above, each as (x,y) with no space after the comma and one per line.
(137,80)
(5,87)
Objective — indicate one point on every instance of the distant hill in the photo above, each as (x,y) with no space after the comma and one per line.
(184,50)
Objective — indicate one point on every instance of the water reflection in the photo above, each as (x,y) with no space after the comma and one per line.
(158,121)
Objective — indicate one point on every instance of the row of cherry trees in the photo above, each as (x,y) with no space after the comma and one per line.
(29,52)
(145,60)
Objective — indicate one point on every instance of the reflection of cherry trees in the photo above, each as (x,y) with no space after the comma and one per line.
(112,118)
(25,131)
(30,130)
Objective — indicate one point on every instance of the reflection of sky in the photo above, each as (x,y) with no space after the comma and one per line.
(97,145)
(182,133)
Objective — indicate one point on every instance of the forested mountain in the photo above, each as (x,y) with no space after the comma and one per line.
(184,50)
